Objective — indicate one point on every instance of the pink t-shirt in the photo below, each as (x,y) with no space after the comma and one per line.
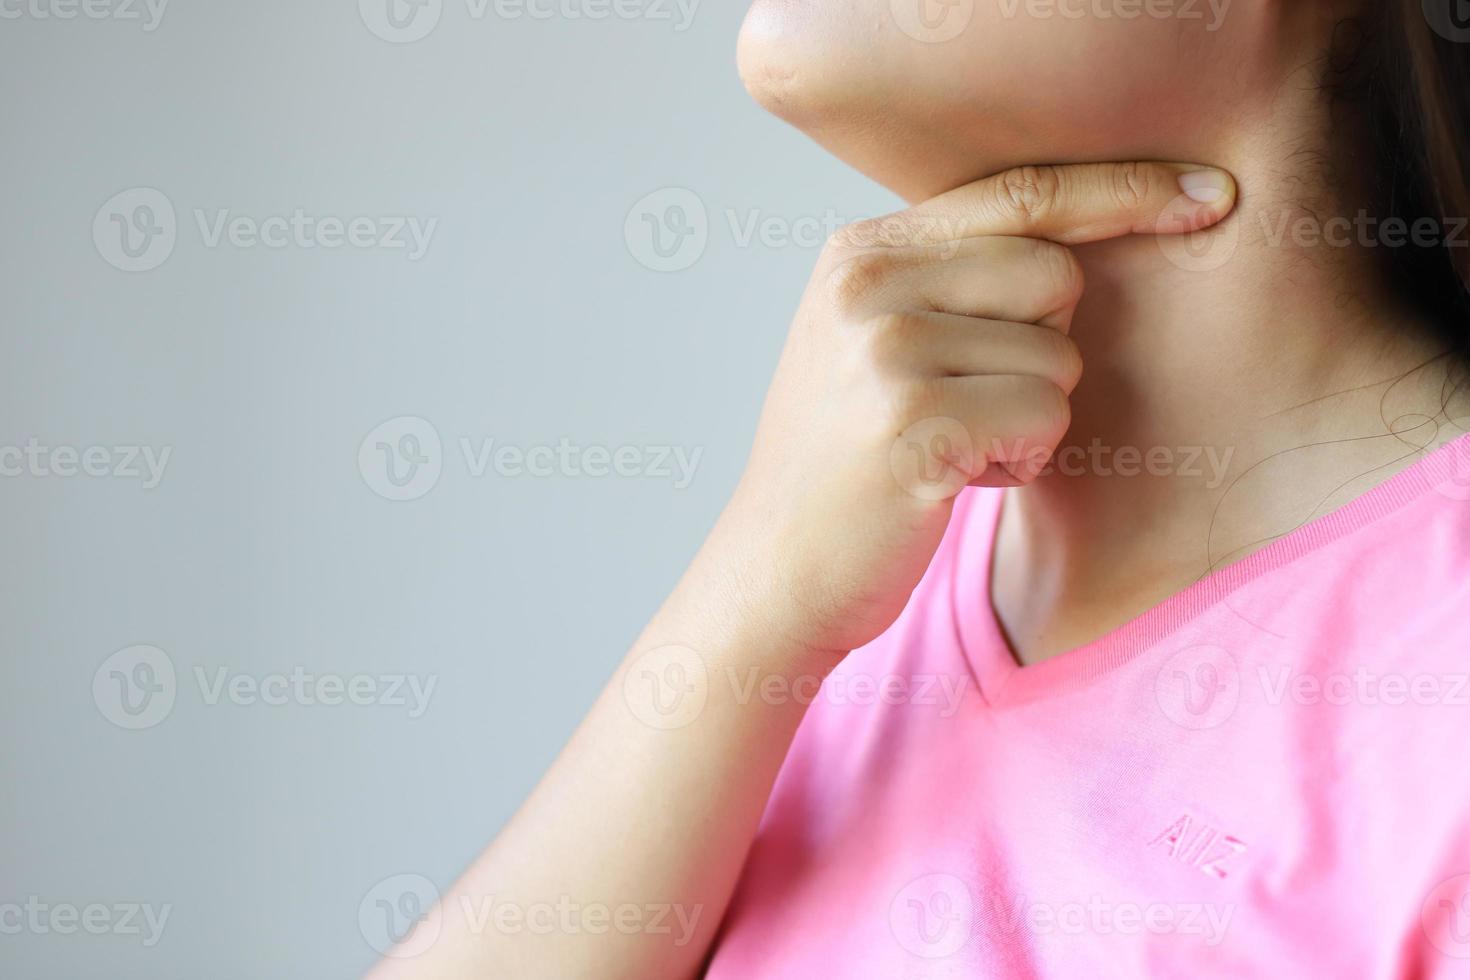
(1266,776)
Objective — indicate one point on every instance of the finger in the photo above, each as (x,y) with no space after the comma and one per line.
(1015,420)
(1070,204)
(1023,280)
(944,345)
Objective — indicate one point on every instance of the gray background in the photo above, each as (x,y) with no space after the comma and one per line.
(265,548)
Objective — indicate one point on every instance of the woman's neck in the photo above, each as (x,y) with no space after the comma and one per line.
(1236,387)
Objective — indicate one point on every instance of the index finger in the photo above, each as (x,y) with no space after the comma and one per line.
(1069,204)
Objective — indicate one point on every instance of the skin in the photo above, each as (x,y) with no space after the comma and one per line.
(1030,309)
(1292,357)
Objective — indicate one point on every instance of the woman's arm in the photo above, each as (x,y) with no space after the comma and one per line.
(930,353)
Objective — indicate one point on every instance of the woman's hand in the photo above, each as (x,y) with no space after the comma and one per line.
(951,311)
(931,352)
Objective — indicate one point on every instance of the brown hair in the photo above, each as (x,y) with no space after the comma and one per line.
(1411,71)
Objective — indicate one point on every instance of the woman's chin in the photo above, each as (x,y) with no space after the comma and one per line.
(911,126)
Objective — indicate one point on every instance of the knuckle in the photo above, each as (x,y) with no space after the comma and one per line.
(866,234)
(888,340)
(1061,271)
(893,325)
(1131,185)
(1053,410)
(1029,192)
(1044,410)
(1067,358)
(858,277)
(912,401)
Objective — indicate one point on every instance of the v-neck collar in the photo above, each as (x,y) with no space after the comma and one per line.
(1004,681)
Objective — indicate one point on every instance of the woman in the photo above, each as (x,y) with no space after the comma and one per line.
(1125,504)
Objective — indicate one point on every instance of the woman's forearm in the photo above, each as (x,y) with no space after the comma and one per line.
(623,860)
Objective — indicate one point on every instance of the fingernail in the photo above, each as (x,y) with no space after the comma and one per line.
(1205,186)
